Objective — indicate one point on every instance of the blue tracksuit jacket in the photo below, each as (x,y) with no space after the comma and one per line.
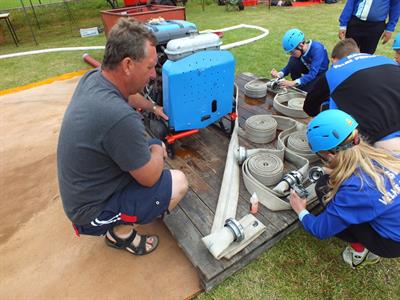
(372,11)
(315,59)
(359,202)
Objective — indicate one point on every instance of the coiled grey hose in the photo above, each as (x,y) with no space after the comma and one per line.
(294,101)
(292,133)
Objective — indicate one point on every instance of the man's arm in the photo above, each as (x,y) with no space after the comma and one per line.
(394,14)
(139,102)
(126,145)
(345,17)
(150,173)
(318,95)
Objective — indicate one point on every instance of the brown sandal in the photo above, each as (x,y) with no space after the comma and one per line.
(127,243)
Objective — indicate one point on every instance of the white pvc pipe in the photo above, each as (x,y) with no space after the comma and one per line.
(224,47)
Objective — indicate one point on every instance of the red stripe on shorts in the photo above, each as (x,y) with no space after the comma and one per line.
(130,219)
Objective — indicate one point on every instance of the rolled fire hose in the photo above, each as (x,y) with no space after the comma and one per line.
(256,88)
(294,104)
(291,146)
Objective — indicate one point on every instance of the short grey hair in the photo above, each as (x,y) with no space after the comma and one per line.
(127,38)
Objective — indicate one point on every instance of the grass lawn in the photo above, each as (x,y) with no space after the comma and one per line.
(8,4)
(299,267)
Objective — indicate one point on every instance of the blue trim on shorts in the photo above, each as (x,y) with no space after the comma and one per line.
(146,203)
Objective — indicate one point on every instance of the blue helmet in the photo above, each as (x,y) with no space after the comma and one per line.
(329,129)
(291,39)
(396,43)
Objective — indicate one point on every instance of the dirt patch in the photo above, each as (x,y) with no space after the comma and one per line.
(41,258)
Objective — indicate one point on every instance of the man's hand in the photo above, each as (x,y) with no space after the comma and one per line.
(287,83)
(342,34)
(164,149)
(297,203)
(274,73)
(159,112)
(386,37)
(139,102)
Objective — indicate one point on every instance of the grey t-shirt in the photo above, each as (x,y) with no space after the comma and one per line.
(101,139)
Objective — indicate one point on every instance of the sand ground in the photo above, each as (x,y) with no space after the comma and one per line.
(40,256)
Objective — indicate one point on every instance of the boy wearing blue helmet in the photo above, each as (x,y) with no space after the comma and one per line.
(363,198)
(396,48)
(308,59)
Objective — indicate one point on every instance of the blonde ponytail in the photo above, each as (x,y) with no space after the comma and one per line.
(373,161)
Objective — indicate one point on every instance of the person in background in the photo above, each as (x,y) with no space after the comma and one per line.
(366,87)
(363,199)
(364,21)
(308,59)
(396,48)
(110,176)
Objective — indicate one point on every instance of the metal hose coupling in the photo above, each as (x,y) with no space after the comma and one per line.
(294,179)
(241,154)
(274,84)
(236,228)
(315,173)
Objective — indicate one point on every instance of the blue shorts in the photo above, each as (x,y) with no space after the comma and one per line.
(135,204)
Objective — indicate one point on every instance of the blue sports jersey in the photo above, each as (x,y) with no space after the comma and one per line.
(347,66)
(359,201)
(372,11)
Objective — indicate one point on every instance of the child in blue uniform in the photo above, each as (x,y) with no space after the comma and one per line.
(308,59)
(363,198)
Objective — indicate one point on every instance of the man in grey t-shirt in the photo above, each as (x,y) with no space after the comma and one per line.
(110,176)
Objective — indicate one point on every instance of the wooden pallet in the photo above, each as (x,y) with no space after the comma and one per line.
(202,158)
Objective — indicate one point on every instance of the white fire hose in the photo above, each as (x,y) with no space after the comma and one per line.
(224,47)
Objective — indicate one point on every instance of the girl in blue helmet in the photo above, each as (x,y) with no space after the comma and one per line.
(308,59)
(396,48)
(363,191)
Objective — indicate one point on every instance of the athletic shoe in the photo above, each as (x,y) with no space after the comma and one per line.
(359,259)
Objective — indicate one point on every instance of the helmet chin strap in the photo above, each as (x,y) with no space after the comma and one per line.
(352,140)
(300,47)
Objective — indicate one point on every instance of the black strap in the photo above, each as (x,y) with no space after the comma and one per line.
(141,248)
(123,243)
(321,188)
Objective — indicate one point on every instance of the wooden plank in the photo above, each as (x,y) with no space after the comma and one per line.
(203,190)
(189,239)
(202,158)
